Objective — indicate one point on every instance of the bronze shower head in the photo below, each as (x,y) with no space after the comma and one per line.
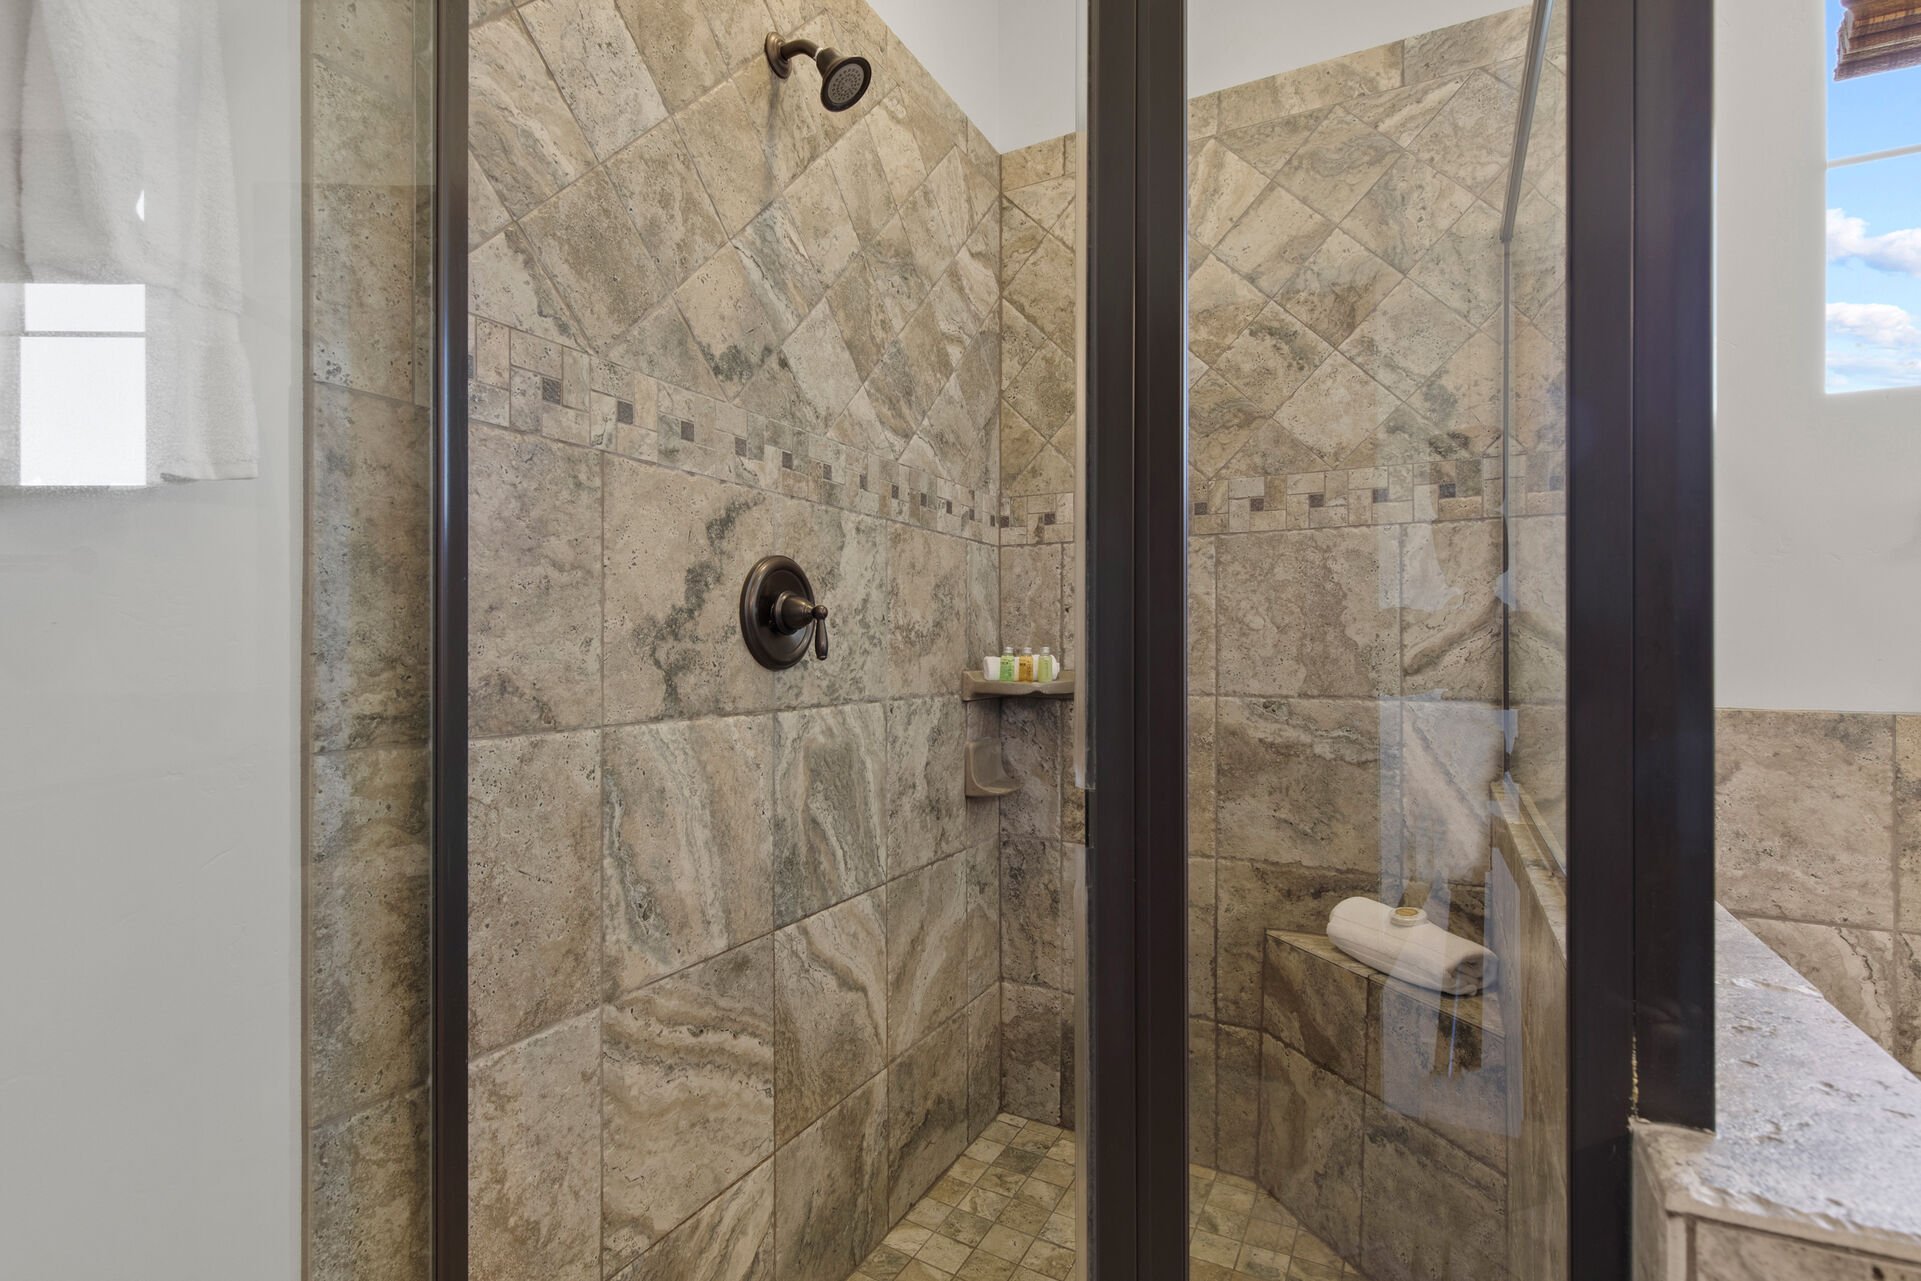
(844,78)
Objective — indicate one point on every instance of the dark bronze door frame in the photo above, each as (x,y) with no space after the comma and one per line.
(1136,611)
(1640,696)
(1640,687)
(447,716)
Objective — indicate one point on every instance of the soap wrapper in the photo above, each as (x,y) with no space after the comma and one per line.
(1424,955)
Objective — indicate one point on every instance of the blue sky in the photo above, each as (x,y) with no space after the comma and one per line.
(1874,229)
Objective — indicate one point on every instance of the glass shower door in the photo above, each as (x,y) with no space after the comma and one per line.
(1377,1062)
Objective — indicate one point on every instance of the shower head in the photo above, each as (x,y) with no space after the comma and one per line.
(843,77)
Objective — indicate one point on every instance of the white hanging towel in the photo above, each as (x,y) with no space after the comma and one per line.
(1403,944)
(126,177)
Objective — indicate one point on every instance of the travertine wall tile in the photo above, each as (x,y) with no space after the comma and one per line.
(1034,901)
(1804,815)
(835,1206)
(689,850)
(1317,614)
(367,907)
(534,617)
(729,1239)
(367,1193)
(1312,1133)
(534,822)
(926,951)
(1859,971)
(599,69)
(534,1182)
(1907,817)
(830,1009)
(1314,783)
(830,813)
(1428,1209)
(927,1113)
(689,1095)
(677,548)
(927,807)
(367,546)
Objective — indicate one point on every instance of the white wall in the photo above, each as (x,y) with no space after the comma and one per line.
(1233,41)
(149,834)
(1818,498)
(1039,83)
(1010,64)
(959,42)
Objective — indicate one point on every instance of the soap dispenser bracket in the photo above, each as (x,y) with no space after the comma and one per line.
(779,615)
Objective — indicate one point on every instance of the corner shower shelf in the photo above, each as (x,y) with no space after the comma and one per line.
(974,686)
(986,772)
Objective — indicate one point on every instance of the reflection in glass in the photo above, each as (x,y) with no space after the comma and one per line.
(1373,396)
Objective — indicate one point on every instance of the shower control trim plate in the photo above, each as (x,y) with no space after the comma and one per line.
(779,616)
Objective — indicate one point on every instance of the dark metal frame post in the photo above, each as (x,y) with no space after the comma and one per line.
(1640,601)
(1674,561)
(1137,643)
(1601,630)
(447,729)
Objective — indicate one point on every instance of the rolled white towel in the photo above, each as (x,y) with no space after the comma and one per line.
(1404,944)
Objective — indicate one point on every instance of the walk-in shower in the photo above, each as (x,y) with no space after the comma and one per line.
(1251,819)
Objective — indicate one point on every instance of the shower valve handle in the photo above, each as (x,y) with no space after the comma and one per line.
(795,613)
(779,615)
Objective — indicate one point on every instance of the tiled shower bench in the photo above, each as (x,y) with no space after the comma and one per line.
(1384,1115)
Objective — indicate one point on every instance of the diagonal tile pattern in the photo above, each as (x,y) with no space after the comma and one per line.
(1037,282)
(1005,1212)
(681,214)
(1345,344)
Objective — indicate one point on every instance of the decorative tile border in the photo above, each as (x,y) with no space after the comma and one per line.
(530,384)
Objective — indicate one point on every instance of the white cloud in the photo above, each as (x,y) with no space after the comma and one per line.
(1896,251)
(1878,324)
(1872,345)
(1859,371)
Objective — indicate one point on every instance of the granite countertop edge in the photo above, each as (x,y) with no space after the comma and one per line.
(1819,1128)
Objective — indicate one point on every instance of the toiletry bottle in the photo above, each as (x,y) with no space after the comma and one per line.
(1049,667)
(1026,665)
(1009,664)
(991,667)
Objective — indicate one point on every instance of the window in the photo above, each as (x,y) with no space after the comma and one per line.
(1874,196)
(83,385)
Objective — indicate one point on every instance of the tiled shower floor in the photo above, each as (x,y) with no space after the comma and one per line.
(1005,1212)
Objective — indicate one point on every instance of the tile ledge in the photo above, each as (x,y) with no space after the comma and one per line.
(1818,1125)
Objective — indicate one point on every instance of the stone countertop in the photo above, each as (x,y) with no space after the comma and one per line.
(1819,1132)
